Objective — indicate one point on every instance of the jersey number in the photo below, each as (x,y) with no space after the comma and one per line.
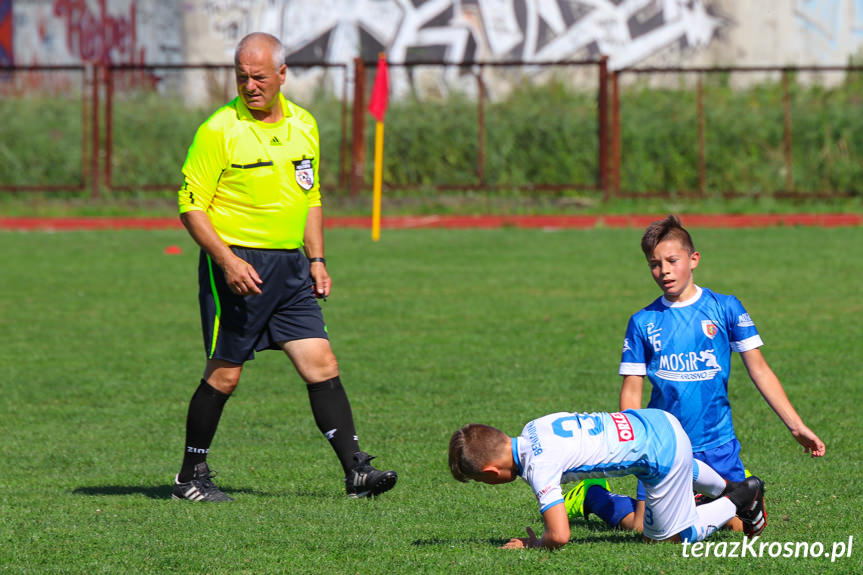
(593,423)
(648,516)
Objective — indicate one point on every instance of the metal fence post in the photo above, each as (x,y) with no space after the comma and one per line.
(109,124)
(786,111)
(85,126)
(94,159)
(602,109)
(343,144)
(702,165)
(358,141)
(615,134)
(480,160)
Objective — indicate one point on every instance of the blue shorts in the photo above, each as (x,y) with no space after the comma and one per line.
(725,460)
(234,326)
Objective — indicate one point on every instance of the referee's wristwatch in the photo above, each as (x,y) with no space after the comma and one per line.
(322,260)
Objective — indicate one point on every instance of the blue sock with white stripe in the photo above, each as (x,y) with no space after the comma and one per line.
(610,507)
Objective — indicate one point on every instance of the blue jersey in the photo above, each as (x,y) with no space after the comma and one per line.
(684,348)
(564,447)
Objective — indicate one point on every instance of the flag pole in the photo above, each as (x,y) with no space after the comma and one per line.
(378,108)
(378,181)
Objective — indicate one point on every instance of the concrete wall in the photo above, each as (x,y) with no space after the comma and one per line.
(460,30)
(630,32)
(79,31)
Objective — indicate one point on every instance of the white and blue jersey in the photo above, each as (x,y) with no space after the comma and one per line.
(565,447)
(684,349)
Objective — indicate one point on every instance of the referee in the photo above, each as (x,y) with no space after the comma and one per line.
(251,199)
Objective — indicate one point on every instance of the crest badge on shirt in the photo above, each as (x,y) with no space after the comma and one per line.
(708,326)
(304,173)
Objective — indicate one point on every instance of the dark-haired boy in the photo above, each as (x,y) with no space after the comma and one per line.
(568,447)
(682,342)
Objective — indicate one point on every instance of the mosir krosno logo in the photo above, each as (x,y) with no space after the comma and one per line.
(690,366)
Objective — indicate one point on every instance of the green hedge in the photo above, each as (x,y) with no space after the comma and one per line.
(744,141)
(40,142)
(539,135)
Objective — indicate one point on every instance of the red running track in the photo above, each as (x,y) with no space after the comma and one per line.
(455,221)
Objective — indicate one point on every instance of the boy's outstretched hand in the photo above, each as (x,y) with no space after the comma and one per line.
(523,542)
(811,443)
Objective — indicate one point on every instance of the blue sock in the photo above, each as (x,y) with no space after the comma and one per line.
(610,507)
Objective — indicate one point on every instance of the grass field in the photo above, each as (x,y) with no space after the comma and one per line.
(101,350)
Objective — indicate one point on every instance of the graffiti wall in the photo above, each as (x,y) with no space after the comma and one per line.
(830,30)
(629,32)
(83,31)
(6,47)
(459,31)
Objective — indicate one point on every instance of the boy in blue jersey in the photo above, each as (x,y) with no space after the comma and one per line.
(566,447)
(682,342)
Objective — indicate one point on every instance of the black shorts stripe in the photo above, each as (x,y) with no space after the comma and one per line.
(218,309)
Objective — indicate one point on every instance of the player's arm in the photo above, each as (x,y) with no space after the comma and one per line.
(556,532)
(630,392)
(633,364)
(773,392)
(313,235)
(313,239)
(240,276)
(204,165)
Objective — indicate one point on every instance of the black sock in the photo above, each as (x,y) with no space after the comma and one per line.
(205,409)
(332,412)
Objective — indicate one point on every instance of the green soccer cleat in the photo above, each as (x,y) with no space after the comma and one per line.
(573,499)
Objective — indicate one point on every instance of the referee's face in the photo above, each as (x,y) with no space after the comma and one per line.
(259,81)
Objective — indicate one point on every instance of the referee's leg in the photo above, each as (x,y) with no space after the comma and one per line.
(313,358)
(316,363)
(205,409)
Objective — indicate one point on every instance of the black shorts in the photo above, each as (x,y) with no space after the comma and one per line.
(235,327)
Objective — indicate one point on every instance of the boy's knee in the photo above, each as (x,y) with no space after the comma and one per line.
(616,510)
(631,523)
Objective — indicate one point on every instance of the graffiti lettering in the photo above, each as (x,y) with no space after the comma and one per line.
(497,30)
(106,39)
(7,57)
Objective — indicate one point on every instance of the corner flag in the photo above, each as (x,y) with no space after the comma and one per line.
(380,90)
(378,108)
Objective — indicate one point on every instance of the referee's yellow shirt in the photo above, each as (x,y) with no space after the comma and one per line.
(256,181)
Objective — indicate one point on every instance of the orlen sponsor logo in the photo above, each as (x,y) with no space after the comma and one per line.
(624,428)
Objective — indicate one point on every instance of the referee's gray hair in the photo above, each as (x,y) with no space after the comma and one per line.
(280,55)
